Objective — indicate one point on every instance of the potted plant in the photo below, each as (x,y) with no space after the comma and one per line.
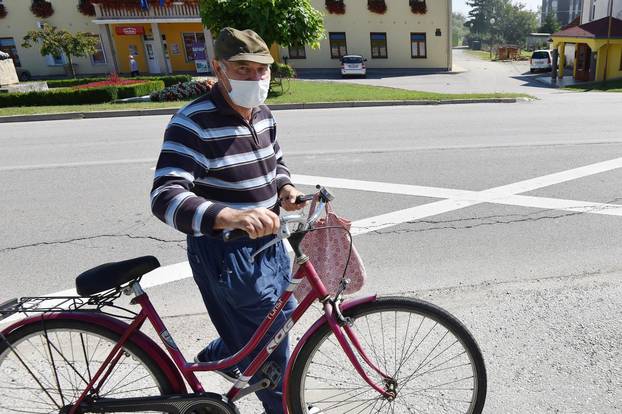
(86,8)
(42,8)
(377,6)
(335,6)
(418,6)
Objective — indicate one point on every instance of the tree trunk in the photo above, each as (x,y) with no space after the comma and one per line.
(73,73)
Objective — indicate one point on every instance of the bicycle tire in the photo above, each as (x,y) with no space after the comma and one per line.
(62,354)
(321,361)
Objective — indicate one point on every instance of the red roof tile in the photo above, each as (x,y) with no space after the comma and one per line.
(596,29)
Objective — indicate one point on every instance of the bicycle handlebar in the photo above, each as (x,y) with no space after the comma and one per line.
(323,197)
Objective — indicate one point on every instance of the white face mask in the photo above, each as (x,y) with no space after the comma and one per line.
(248,94)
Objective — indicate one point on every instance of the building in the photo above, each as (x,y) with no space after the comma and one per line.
(168,37)
(398,38)
(19,20)
(565,10)
(597,42)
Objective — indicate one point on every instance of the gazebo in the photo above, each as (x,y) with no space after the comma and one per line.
(598,49)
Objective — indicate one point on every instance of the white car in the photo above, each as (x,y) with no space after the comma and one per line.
(541,60)
(353,65)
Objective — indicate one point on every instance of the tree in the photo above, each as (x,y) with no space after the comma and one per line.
(458,29)
(286,22)
(550,24)
(57,43)
(516,23)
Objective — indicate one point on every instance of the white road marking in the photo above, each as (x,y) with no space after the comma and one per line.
(76,164)
(452,200)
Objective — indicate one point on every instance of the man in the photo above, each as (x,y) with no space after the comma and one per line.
(133,67)
(221,168)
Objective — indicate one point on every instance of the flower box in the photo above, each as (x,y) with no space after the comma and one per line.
(418,6)
(42,8)
(335,6)
(86,8)
(377,6)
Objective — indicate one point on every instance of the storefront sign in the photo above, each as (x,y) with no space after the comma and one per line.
(129,30)
(202,66)
(198,50)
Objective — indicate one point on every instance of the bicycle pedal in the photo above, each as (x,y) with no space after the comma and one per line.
(272,372)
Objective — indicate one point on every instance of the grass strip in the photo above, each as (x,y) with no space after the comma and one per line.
(296,91)
(609,86)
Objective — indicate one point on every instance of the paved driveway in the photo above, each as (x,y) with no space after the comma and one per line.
(471,75)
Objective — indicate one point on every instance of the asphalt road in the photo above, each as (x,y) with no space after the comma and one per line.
(470,75)
(539,287)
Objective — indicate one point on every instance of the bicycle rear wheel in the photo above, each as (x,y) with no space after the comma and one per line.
(48,366)
(434,360)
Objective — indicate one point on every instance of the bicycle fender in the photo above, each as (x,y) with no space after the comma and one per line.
(119,327)
(348,304)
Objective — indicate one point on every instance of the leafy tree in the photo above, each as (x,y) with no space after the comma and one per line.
(57,42)
(286,22)
(516,23)
(458,29)
(550,24)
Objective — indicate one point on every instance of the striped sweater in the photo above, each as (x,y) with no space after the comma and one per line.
(212,158)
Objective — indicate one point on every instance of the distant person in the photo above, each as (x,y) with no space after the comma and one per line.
(133,67)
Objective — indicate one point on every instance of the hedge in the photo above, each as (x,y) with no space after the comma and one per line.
(66,96)
(140,89)
(59,97)
(168,80)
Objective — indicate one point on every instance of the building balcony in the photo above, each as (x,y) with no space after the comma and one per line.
(176,11)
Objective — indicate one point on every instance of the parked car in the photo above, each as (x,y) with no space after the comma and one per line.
(23,74)
(541,60)
(353,65)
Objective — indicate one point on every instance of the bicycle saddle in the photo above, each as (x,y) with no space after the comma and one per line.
(112,275)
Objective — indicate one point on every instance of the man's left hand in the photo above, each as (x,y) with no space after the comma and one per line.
(288,195)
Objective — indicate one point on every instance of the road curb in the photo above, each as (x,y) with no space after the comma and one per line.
(274,107)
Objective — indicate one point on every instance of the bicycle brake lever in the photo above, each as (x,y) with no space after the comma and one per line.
(283,233)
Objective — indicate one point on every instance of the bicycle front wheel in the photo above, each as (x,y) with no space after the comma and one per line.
(434,361)
(48,365)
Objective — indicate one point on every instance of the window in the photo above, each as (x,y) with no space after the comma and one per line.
(417,45)
(297,52)
(338,46)
(194,46)
(7,45)
(593,10)
(55,61)
(378,45)
(99,57)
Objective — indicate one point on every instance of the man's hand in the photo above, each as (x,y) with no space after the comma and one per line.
(288,195)
(257,222)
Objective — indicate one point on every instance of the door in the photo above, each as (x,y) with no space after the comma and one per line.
(583,62)
(150,56)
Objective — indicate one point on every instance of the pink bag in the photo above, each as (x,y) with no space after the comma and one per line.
(328,251)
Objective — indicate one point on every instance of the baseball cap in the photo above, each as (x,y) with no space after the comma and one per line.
(232,44)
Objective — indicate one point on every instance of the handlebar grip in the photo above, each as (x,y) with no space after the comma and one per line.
(231,235)
(304,198)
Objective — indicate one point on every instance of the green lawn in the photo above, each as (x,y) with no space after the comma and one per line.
(485,55)
(296,92)
(609,86)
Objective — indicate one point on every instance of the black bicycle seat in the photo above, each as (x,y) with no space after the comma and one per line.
(112,275)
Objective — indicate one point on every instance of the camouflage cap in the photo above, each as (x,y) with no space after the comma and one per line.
(232,44)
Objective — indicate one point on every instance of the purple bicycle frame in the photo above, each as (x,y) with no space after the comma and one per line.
(188,370)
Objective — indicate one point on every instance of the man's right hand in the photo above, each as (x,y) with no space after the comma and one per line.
(257,222)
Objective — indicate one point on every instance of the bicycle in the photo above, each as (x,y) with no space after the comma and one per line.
(369,354)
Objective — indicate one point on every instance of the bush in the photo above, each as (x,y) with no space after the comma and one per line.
(62,96)
(168,80)
(186,90)
(282,70)
(140,89)
(68,96)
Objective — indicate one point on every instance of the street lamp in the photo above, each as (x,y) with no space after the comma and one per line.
(492,22)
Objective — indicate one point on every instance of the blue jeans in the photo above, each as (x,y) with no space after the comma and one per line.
(238,294)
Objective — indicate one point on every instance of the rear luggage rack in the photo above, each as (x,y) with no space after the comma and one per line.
(49,304)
